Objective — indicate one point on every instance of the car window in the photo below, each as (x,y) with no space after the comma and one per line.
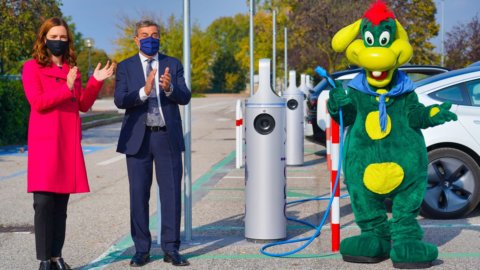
(452,93)
(414,76)
(473,88)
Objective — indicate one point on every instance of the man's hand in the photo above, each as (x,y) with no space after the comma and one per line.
(150,81)
(72,75)
(165,80)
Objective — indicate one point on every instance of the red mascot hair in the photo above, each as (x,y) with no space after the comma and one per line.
(378,12)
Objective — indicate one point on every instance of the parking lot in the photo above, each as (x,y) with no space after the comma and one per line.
(98,222)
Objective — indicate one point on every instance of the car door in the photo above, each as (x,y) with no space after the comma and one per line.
(470,113)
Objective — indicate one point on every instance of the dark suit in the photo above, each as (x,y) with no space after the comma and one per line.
(144,147)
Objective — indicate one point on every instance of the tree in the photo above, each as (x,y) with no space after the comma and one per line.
(418,18)
(463,44)
(313,23)
(126,47)
(20,20)
(225,35)
(96,56)
(171,43)
(202,50)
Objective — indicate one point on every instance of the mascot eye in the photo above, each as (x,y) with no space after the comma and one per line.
(384,38)
(368,38)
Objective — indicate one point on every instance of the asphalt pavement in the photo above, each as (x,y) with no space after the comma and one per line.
(98,222)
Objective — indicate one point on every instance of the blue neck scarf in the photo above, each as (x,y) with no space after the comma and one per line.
(401,84)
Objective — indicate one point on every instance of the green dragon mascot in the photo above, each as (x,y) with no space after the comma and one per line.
(384,153)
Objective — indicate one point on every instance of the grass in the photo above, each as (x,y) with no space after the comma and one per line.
(99,116)
(197,95)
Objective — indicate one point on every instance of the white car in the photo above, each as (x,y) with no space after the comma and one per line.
(453,148)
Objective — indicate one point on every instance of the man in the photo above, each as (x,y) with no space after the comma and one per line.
(152,133)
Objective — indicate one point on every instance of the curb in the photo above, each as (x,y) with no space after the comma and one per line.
(102,122)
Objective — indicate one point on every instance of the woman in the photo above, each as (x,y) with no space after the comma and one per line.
(56,167)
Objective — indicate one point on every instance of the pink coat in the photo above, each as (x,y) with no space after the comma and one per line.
(55,157)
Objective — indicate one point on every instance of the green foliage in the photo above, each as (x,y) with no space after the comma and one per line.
(313,23)
(126,47)
(171,41)
(418,19)
(20,20)
(462,45)
(227,35)
(202,49)
(227,74)
(96,56)
(14,112)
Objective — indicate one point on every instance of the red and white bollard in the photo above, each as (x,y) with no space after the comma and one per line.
(239,137)
(333,158)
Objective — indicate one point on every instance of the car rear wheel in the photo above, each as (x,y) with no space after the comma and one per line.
(453,188)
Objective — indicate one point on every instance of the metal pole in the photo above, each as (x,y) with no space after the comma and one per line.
(89,72)
(187,124)
(252,13)
(286,59)
(443,34)
(274,53)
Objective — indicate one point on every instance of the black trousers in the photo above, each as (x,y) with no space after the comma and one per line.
(50,223)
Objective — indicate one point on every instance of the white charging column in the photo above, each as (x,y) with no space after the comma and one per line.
(304,89)
(295,119)
(265,171)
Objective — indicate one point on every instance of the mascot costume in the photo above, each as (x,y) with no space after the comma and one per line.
(384,154)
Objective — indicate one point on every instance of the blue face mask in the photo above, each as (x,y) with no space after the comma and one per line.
(149,45)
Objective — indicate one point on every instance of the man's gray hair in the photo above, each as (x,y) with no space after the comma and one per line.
(145,23)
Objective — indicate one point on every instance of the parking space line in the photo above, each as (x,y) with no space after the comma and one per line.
(288,177)
(111,160)
(13,175)
(114,252)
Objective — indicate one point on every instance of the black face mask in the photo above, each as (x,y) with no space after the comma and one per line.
(57,47)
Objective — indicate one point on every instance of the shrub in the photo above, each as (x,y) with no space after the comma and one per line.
(14,112)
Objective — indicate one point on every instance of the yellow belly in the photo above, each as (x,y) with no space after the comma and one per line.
(382,178)
(373,128)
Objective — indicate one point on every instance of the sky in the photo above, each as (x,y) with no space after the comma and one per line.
(98,19)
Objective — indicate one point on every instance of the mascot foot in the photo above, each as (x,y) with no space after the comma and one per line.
(365,249)
(413,254)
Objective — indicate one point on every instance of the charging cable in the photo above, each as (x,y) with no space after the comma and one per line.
(323,73)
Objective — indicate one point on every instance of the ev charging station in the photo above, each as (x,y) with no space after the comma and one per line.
(265,169)
(303,88)
(295,122)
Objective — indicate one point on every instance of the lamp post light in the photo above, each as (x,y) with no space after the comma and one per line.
(89,42)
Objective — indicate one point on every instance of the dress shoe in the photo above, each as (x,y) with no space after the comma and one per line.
(140,259)
(175,258)
(45,265)
(60,264)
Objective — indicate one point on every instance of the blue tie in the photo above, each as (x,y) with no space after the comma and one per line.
(154,117)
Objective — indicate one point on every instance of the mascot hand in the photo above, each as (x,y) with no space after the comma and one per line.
(338,97)
(441,114)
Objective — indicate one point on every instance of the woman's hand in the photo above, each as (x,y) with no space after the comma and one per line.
(72,75)
(105,72)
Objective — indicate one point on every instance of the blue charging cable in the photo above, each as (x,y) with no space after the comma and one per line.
(323,73)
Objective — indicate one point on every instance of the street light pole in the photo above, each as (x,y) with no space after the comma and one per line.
(89,42)
(252,13)
(443,34)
